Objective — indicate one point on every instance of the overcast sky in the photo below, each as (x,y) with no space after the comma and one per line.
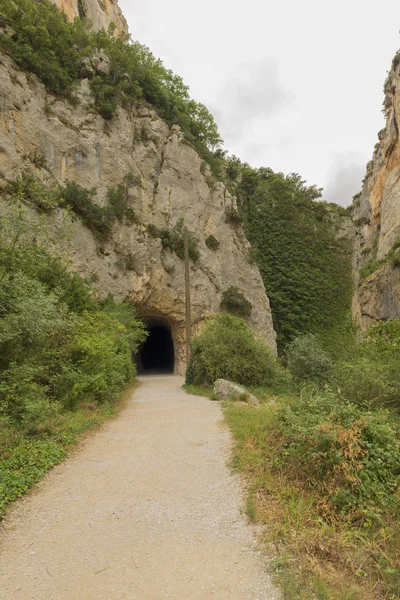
(295,86)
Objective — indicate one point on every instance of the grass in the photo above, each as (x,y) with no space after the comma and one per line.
(200,390)
(26,458)
(315,557)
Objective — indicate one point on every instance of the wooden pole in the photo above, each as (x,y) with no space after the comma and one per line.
(187,295)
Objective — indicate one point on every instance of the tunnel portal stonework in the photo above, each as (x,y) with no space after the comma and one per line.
(170,182)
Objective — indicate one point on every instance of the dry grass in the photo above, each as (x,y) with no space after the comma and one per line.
(320,554)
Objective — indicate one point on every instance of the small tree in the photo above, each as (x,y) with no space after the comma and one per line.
(212,243)
(307,360)
(227,348)
(234,302)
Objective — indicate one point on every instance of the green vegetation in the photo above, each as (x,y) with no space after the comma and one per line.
(43,42)
(370,374)
(233,217)
(31,191)
(324,464)
(306,268)
(212,243)
(323,477)
(98,219)
(389,78)
(307,360)
(227,349)
(392,258)
(118,199)
(25,457)
(65,356)
(173,240)
(200,390)
(235,303)
(322,454)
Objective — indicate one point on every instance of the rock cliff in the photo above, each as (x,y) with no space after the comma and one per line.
(101,13)
(376,213)
(75,143)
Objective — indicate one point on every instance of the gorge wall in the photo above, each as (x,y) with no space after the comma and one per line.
(376,213)
(74,143)
(101,13)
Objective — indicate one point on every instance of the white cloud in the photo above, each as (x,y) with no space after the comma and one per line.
(344,179)
(253,94)
(293,85)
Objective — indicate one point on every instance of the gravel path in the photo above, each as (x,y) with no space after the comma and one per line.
(146,510)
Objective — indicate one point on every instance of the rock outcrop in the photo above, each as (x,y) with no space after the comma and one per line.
(75,143)
(101,13)
(376,213)
(226,390)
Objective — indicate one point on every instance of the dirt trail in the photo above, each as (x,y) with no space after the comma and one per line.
(146,510)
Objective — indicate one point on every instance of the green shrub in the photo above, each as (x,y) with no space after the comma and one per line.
(29,316)
(31,191)
(118,202)
(101,351)
(235,303)
(58,345)
(51,271)
(351,457)
(371,377)
(392,258)
(233,217)
(24,464)
(212,243)
(43,42)
(324,479)
(23,399)
(173,239)
(97,218)
(227,348)
(305,265)
(153,231)
(307,360)
(233,168)
(369,268)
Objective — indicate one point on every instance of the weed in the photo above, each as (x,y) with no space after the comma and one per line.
(234,302)
(233,217)
(173,239)
(212,243)
(325,550)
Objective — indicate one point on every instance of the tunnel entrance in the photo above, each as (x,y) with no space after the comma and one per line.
(157,353)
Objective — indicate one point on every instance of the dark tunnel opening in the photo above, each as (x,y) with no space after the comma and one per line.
(157,353)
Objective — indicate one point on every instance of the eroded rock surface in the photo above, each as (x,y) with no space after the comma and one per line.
(101,13)
(226,390)
(376,212)
(75,143)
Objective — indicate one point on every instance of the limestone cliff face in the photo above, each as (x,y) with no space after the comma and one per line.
(376,212)
(101,13)
(77,144)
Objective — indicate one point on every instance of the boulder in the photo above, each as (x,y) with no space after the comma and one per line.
(226,390)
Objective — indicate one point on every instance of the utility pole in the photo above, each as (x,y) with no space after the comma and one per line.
(187,295)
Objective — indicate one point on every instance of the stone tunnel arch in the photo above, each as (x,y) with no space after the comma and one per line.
(157,353)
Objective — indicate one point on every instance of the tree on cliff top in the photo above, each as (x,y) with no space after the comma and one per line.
(42,41)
